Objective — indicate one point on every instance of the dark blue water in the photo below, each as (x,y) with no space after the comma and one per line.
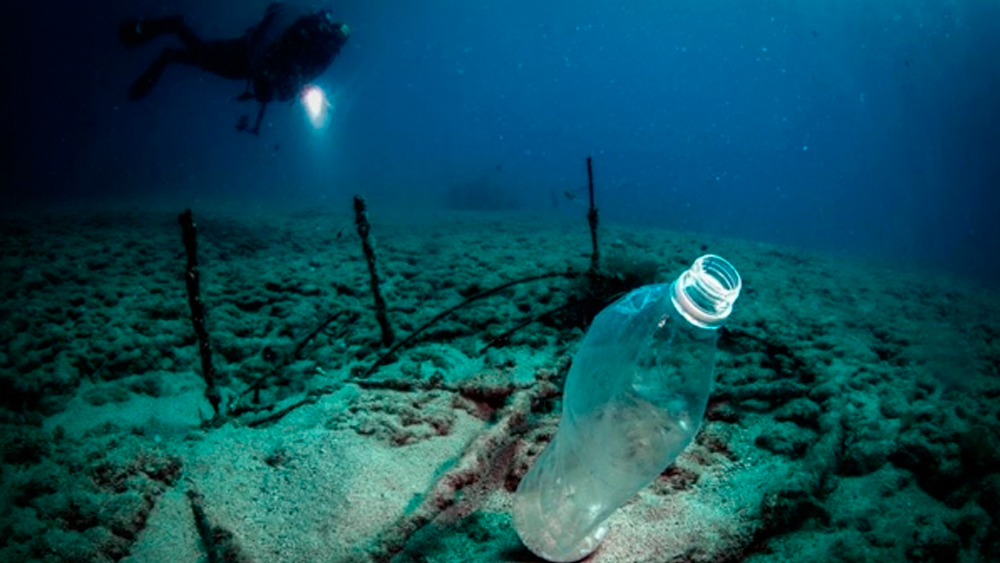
(870,128)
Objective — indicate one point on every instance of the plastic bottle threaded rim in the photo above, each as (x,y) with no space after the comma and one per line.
(704,294)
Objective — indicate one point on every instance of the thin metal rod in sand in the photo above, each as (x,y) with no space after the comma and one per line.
(592,215)
(368,245)
(193,278)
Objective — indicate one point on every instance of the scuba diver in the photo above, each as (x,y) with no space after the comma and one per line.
(277,57)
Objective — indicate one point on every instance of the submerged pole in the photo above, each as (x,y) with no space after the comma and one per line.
(368,245)
(193,279)
(592,215)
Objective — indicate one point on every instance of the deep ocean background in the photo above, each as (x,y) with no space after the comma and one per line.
(866,128)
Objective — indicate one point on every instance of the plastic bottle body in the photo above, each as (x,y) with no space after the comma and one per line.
(633,400)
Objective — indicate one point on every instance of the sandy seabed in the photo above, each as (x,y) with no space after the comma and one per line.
(854,417)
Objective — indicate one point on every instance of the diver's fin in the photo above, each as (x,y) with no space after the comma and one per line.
(131,33)
(147,81)
(138,32)
(255,130)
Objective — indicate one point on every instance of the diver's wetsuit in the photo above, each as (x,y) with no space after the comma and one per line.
(277,57)
(229,58)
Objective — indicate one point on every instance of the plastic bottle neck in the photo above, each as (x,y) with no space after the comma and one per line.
(704,294)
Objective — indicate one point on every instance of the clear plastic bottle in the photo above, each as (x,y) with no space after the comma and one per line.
(633,400)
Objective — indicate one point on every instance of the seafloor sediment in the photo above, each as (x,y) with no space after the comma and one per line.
(854,418)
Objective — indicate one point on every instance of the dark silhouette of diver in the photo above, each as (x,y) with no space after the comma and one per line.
(288,48)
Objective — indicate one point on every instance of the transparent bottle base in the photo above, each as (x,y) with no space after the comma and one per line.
(540,532)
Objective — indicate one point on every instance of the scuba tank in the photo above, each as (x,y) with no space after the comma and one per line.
(290,47)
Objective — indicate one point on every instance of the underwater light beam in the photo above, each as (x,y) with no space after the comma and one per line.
(317,105)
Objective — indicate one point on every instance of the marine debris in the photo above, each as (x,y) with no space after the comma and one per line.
(592,215)
(193,279)
(368,245)
(220,544)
